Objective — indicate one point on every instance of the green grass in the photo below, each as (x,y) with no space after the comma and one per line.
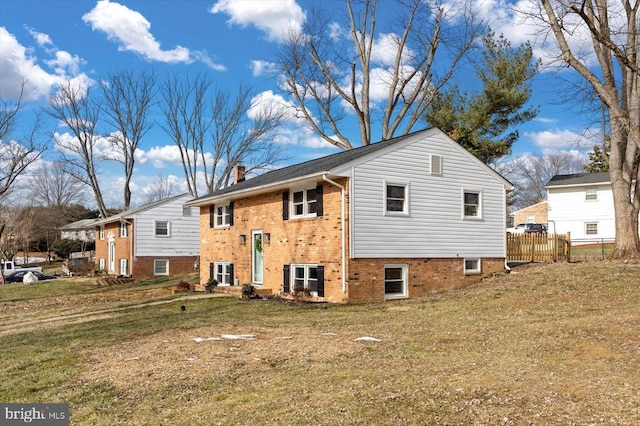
(546,344)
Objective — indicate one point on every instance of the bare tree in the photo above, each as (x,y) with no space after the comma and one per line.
(333,77)
(52,185)
(530,174)
(614,31)
(214,132)
(128,98)
(159,189)
(74,108)
(17,152)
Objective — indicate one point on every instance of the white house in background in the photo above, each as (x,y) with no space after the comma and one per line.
(583,205)
(160,238)
(82,230)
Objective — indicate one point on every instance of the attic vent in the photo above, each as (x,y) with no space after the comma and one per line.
(436,164)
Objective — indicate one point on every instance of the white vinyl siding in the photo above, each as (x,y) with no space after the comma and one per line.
(435,226)
(569,211)
(184,236)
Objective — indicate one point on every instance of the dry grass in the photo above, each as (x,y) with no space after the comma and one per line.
(546,344)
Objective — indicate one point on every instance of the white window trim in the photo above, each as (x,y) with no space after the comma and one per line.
(155,261)
(472,191)
(405,281)
(101,232)
(226,272)
(305,203)
(102,264)
(405,211)
(216,216)
(124,229)
(292,277)
(589,191)
(474,271)
(155,229)
(124,262)
(585,229)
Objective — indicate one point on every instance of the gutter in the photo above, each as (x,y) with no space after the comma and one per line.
(343,231)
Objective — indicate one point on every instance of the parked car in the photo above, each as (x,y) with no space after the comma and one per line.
(535,228)
(528,228)
(16,277)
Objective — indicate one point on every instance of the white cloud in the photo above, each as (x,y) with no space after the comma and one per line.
(559,139)
(131,30)
(260,68)
(276,18)
(385,49)
(19,64)
(42,39)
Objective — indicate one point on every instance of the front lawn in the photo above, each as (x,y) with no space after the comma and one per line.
(546,344)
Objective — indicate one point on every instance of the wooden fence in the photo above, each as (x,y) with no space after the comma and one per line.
(538,247)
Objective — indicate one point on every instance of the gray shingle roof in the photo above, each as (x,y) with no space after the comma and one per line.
(579,179)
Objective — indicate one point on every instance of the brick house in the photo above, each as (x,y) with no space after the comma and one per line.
(395,219)
(535,213)
(160,238)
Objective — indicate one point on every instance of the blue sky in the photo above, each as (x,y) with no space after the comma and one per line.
(233,41)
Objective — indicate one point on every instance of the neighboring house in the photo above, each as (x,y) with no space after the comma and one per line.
(160,238)
(535,213)
(582,204)
(82,230)
(394,219)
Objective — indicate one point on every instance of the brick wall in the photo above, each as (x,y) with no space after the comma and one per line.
(315,240)
(143,266)
(123,246)
(424,276)
(540,211)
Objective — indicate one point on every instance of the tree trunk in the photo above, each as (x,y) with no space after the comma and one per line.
(627,245)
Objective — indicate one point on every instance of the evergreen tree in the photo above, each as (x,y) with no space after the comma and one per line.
(599,158)
(484,122)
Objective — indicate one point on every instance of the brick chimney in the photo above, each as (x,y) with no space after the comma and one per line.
(238,173)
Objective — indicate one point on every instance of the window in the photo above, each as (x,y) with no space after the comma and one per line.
(396,198)
(101,233)
(395,281)
(223,273)
(472,266)
(472,206)
(223,215)
(436,164)
(303,203)
(591,228)
(531,218)
(591,194)
(124,229)
(102,264)
(160,267)
(305,277)
(124,266)
(161,228)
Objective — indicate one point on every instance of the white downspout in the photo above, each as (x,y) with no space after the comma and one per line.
(343,231)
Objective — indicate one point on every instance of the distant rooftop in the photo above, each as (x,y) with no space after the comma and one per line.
(578,179)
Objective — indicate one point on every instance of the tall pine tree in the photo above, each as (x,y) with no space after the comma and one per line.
(484,122)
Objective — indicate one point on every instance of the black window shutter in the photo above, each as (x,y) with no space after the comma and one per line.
(319,211)
(231,213)
(320,272)
(287,278)
(231,274)
(212,215)
(285,205)
(211,271)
